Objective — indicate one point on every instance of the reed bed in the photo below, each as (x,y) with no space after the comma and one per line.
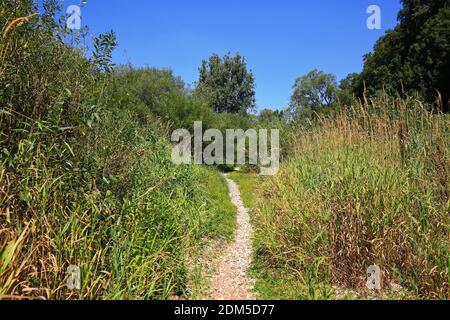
(369,185)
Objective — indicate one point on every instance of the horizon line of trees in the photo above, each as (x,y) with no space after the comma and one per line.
(412,58)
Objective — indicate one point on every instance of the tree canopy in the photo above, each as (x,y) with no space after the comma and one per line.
(227,84)
(314,91)
(415,55)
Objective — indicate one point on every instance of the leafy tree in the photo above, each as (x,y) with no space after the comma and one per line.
(268,115)
(104,45)
(227,84)
(345,93)
(415,56)
(314,91)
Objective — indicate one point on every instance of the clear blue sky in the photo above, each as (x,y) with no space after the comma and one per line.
(281,39)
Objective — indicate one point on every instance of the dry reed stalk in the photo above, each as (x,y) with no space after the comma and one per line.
(16,23)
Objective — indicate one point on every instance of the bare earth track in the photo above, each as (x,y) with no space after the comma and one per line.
(230,281)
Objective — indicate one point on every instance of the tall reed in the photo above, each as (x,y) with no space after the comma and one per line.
(369,185)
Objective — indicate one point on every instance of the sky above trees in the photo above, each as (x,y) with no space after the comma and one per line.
(281,40)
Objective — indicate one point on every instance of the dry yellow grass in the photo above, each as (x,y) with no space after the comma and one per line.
(16,23)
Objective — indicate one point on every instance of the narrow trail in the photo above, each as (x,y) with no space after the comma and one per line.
(230,281)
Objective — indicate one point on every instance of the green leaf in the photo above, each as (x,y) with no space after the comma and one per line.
(7,256)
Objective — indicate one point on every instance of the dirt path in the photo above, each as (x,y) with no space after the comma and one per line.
(231,282)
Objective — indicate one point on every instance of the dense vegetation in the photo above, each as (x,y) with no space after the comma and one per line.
(85,172)
(86,177)
(227,84)
(368,186)
(413,57)
(167,98)
(364,181)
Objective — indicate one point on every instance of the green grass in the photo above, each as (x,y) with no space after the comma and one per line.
(272,283)
(221,222)
(86,173)
(87,179)
(248,186)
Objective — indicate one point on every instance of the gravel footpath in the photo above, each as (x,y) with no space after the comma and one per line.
(230,282)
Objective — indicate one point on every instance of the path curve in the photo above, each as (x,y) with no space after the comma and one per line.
(231,282)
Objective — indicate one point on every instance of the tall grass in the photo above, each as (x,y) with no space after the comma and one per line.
(85,171)
(366,186)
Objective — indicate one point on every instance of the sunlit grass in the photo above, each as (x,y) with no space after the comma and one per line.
(248,187)
(363,188)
